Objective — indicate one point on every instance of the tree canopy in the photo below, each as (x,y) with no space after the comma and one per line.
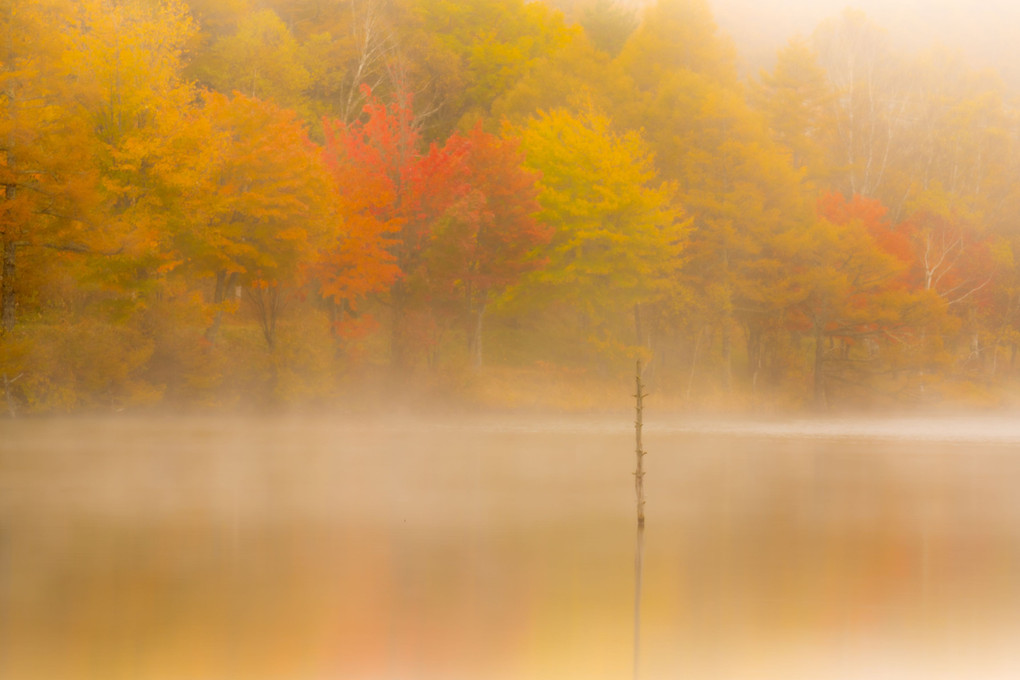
(214,202)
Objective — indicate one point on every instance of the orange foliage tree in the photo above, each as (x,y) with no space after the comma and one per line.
(45,165)
(853,296)
(392,194)
(254,203)
(490,237)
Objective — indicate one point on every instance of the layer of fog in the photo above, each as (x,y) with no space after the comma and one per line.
(985,32)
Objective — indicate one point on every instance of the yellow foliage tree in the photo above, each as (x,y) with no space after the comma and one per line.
(618,235)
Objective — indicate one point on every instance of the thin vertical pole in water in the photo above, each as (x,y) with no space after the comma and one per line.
(639,473)
(639,545)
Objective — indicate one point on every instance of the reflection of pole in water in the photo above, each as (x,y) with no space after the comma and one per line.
(639,545)
(639,557)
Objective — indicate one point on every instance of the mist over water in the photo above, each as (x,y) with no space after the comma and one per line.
(229,206)
(316,548)
(975,429)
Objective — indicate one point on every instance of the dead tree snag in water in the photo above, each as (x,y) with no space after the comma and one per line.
(639,473)
(639,544)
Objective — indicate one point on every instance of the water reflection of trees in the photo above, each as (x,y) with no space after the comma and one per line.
(753,546)
(835,547)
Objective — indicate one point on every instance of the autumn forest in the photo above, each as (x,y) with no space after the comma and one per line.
(283,203)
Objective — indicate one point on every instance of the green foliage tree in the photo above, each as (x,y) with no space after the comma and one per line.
(618,235)
(796,101)
(678,35)
(487,46)
(576,74)
(742,193)
(260,59)
(608,24)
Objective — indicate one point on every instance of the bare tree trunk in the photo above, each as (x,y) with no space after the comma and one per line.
(8,292)
(476,338)
(993,368)
(638,328)
(694,362)
(224,282)
(9,295)
(268,302)
(819,380)
(336,315)
(727,351)
(398,344)
(755,361)
(7,393)
(375,47)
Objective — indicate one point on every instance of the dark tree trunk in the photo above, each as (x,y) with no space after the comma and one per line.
(336,317)
(727,356)
(9,294)
(268,303)
(638,329)
(224,282)
(819,387)
(398,343)
(475,346)
(402,354)
(754,354)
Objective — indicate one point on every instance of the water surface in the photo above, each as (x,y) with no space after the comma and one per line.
(305,548)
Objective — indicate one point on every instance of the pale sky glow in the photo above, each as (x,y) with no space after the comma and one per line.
(988,32)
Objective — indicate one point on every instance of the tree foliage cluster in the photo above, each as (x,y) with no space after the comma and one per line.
(209,201)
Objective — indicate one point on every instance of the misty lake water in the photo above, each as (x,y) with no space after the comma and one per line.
(316,548)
